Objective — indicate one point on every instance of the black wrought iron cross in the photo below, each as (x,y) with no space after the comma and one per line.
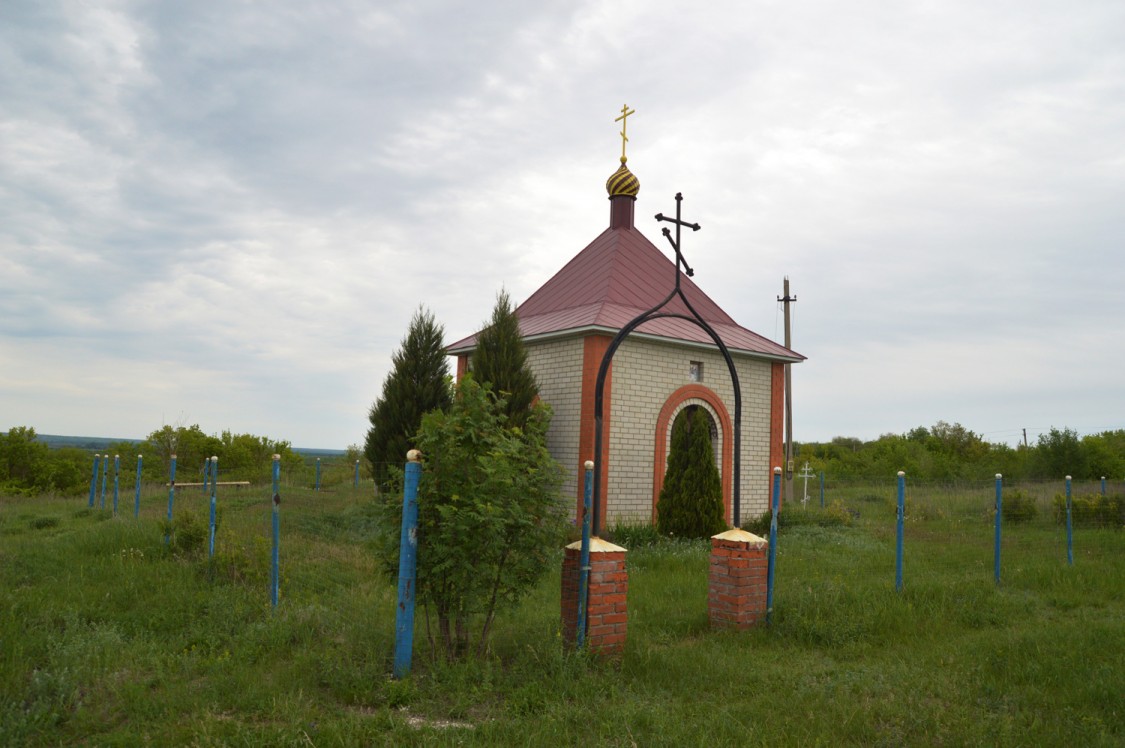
(676,242)
(656,313)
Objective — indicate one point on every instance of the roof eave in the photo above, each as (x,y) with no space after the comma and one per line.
(573,332)
(796,358)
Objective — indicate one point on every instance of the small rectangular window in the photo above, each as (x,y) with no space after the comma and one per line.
(695,371)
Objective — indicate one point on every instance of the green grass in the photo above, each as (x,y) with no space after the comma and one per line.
(110,637)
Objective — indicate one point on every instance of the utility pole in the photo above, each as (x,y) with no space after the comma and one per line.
(788,394)
(1025,438)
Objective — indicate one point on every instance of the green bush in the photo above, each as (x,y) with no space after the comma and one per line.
(500,361)
(691,500)
(634,534)
(1091,510)
(489,513)
(835,515)
(188,532)
(1018,507)
(415,385)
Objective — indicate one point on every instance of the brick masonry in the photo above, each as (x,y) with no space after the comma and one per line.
(736,591)
(645,374)
(557,366)
(607,619)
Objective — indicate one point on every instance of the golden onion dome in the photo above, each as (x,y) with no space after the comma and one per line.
(623,182)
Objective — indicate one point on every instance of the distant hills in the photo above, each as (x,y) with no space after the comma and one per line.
(318,452)
(101,443)
(94,443)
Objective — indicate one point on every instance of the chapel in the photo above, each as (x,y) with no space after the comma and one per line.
(664,366)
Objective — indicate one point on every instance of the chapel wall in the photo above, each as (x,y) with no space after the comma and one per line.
(645,374)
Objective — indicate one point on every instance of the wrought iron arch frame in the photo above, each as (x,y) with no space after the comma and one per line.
(652,314)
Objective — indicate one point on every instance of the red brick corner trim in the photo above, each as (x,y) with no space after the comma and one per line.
(594,348)
(777,424)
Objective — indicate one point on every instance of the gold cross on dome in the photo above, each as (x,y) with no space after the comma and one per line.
(623,119)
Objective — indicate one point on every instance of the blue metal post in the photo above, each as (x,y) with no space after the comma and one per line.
(317,474)
(214,483)
(356,484)
(171,495)
(206,473)
(821,489)
(1103,485)
(105,477)
(773,542)
(899,529)
(275,569)
(584,560)
(407,564)
(1069,528)
(137,489)
(999,520)
(116,481)
(94,480)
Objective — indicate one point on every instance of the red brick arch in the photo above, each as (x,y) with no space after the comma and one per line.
(660,456)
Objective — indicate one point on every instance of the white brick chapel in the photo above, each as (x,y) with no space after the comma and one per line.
(664,366)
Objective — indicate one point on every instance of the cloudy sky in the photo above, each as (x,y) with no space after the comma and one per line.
(226,213)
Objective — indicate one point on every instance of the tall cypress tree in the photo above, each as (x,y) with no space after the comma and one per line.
(500,360)
(691,500)
(417,384)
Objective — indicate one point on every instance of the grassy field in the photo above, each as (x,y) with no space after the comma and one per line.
(110,637)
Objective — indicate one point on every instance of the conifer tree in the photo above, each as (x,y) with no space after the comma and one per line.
(691,500)
(500,360)
(417,384)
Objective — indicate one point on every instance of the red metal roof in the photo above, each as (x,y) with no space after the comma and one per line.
(616,277)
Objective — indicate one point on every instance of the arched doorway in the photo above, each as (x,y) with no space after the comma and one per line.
(694,396)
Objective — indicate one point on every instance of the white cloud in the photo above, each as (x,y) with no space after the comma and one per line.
(231,211)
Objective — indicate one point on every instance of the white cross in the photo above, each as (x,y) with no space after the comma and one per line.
(806,475)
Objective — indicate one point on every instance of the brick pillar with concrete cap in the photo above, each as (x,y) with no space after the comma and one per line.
(736,591)
(606,617)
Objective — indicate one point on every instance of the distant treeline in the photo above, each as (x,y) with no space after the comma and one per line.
(29,466)
(101,444)
(947,452)
(941,453)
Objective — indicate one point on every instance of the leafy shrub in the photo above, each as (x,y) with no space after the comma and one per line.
(188,532)
(1093,510)
(634,534)
(836,515)
(489,513)
(1017,507)
(922,510)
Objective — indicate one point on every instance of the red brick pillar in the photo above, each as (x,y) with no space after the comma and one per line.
(736,594)
(606,617)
